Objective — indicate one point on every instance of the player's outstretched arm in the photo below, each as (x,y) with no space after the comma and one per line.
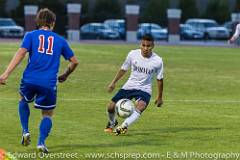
(118,76)
(232,39)
(71,67)
(159,100)
(20,54)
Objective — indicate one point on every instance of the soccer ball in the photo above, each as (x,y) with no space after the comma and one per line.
(124,108)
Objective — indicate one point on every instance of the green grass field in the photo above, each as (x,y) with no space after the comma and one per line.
(200,112)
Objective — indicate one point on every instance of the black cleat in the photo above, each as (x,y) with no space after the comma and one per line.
(120,130)
(109,128)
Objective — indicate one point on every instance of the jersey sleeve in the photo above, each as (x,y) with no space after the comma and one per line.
(237,31)
(67,52)
(127,63)
(27,41)
(159,71)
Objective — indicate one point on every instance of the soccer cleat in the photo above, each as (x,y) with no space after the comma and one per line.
(120,130)
(42,148)
(26,139)
(109,128)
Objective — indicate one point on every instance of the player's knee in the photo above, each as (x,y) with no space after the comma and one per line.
(47,113)
(141,105)
(111,107)
(22,100)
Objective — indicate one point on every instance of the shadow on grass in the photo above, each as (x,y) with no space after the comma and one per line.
(143,137)
(173,130)
(70,147)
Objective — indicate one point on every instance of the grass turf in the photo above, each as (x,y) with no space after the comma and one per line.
(200,111)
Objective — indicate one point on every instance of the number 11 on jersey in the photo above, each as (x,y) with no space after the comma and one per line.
(50,41)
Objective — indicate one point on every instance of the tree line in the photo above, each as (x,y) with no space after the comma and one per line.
(150,10)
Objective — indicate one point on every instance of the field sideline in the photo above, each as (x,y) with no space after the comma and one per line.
(200,112)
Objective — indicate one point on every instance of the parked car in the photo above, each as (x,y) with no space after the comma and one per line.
(8,28)
(97,31)
(156,31)
(230,25)
(188,32)
(210,28)
(118,25)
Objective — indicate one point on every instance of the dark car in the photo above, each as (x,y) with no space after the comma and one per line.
(118,25)
(188,32)
(231,26)
(8,28)
(156,31)
(97,31)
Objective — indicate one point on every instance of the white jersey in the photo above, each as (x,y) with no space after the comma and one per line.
(237,31)
(142,70)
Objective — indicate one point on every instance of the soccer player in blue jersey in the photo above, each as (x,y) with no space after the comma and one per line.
(39,79)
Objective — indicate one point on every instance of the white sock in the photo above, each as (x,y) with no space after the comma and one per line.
(128,121)
(112,118)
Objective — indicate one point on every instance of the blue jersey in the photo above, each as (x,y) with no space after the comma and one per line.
(45,49)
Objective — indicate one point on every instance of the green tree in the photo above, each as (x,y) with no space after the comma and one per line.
(85,16)
(60,11)
(237,6)
(57,7)
(218,10)
(189,9)
(132,1)
(2,8)
(105,9)
(18,13)
(155,12)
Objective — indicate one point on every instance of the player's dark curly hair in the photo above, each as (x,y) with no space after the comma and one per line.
(148,37)
(45,17)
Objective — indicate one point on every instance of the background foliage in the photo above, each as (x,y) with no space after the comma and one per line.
(150,10)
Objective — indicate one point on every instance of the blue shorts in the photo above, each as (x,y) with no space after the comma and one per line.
(130,94)
(45,98)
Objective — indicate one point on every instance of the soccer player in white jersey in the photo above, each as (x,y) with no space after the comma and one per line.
(235,35)
(144,65)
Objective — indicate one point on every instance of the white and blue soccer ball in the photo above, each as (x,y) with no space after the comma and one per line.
(124,108)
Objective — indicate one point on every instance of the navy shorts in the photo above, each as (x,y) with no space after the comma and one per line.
(44,98)
(130,94)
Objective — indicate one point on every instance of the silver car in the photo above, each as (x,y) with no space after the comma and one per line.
(118,25)
(97,31)
(210,28)
(8,28)
(156,31)
(188,32)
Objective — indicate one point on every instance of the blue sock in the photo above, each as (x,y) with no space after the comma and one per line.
(45,127)
(24,114)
